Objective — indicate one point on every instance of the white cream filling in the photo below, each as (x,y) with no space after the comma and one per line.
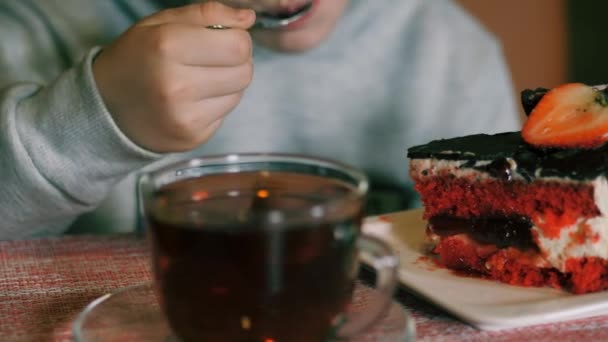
(428,167)
(421,168)
(592,240)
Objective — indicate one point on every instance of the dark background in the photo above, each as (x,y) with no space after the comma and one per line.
(588,41)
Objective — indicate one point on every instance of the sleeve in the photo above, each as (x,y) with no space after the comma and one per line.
(60,150)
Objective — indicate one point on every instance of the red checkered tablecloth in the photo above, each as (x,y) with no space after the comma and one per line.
(45,283)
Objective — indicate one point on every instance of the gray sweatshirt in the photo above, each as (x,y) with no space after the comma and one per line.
(391,75)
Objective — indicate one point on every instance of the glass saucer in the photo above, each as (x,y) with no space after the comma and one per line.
(133,314)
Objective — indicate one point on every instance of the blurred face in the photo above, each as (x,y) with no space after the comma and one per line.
(309,21)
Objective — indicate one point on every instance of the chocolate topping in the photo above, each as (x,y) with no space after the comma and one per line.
(531,97)
(530,162)
(499,168)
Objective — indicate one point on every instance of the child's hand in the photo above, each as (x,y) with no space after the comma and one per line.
(169,81)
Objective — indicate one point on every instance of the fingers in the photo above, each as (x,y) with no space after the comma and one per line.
(192,84)
(182,77)
(224,104)
(191,45)
(198,120)
(204,14)
(223,81)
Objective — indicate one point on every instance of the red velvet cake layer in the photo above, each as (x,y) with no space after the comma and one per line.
(560,204)
(549,205)
(515,267)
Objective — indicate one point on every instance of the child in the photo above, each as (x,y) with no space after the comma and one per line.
(358,81)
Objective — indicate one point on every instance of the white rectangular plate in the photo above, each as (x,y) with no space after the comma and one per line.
(485,304)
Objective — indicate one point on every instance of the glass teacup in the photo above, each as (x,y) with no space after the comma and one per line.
(262,247)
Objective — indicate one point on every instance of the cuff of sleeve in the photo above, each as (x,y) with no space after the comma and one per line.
(73,140)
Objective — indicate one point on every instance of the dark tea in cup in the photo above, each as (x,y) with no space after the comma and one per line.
(255,247)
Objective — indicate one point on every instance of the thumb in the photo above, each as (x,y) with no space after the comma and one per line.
(204,14)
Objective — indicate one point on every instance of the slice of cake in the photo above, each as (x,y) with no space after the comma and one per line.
(527,208)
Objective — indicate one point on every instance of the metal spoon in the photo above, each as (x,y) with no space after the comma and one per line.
(269,22)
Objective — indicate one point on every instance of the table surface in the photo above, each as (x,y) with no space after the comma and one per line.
(45,283)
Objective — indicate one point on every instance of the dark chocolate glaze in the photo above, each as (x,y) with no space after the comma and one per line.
(499,231)
(532,162)
(531,97)
(499,168)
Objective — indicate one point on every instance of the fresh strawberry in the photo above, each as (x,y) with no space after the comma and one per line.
(571,115)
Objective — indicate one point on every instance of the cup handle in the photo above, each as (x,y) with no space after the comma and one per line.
(378,255)
(139,216)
